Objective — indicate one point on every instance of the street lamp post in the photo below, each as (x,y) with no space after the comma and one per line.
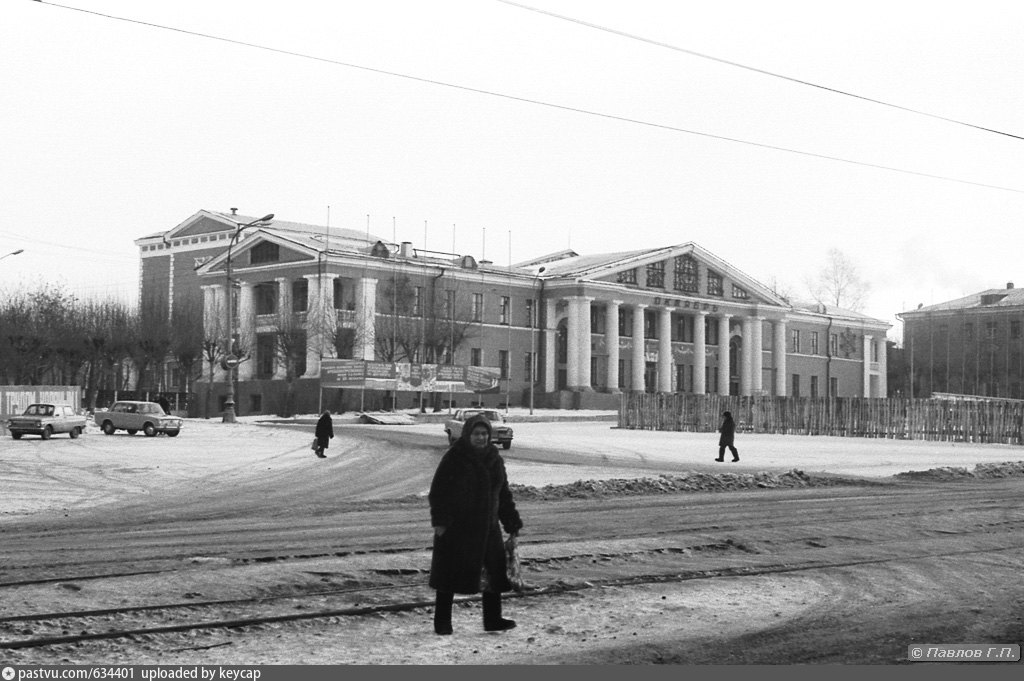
(230,360)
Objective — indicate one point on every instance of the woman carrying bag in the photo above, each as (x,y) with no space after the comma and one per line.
(469,497)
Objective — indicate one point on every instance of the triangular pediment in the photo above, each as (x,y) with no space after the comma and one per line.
(684,270)
(203,222)
(260,248)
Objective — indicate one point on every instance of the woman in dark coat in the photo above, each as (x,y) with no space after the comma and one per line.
(324,433)
(469,496)
(728,431)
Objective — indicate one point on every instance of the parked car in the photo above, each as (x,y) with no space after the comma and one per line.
(500,432)
(134,416)
(47,420)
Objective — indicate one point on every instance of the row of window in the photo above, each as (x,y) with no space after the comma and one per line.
(684,278)
(991,330)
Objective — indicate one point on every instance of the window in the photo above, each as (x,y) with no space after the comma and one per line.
(739,293)
(874,351)
(969,331)
(266,298)
(833,386)
(449,303)
(814,386)
(794,342)
(814,351)
(711,331)
(503,363)
(504,304)
(531,320)
(478,308)
(417,301)
(833,344)
(714,283)
(991,329)
(795,392)
(627,277)
(597,317)
(263,252)
(300,295)
(685,274)
(528,370)
(337,294)
(683,328)
(475,357)
(625,322)
(656,275)
(266,346)
(1015,330)
(650,324)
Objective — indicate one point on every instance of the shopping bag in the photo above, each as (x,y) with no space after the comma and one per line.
(512,566)
(316,445)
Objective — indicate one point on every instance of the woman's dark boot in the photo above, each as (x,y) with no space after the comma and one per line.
(443,613)
(493,621)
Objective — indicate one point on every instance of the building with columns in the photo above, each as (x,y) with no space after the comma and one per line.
(564,330)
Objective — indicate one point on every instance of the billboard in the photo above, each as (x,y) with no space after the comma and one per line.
(432,378)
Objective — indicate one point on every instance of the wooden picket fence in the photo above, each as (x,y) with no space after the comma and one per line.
(988,421)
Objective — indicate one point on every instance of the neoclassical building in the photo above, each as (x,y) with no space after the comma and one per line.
(564,329)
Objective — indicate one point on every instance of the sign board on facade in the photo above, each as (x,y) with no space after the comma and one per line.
(441,378)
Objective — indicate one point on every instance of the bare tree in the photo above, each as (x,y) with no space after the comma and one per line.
(839,283)
(290,344)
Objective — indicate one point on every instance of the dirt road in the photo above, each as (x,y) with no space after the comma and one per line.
(263,563)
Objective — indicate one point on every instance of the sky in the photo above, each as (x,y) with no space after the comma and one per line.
(512,130)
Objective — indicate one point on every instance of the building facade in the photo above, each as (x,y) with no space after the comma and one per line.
(971,346)
(564,330)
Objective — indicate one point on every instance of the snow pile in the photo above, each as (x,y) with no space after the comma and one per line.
(686,482)
(1008,469)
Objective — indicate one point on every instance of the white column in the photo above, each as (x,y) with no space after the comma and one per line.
(723,354)
(611,341)
(220,302)
(285,316)
(746,366)
(586,344)
(247,330)
(639,347)
(572,345)
(757,356)
(665,350)
(867,365)
(700,353)
(550,349)
(366,318)
(329,325)
(779,358)
(883,368)
(314,323)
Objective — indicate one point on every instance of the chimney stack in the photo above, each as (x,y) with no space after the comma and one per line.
(1009,284)
(234,211)
(406,250)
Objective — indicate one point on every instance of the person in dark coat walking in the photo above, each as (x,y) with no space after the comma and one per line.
(727,439)
(324,433)
(469,497)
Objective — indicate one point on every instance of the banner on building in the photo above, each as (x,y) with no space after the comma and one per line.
(431,378)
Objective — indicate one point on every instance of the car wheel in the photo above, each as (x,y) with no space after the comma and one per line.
(16,435)
(132,431)
(108,428)
(47,432)
(149,429)
(75,432)
(506,445)
(173,433)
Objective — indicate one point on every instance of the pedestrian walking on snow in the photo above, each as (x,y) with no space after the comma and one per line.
(324,433)
(469,497)
(727,438)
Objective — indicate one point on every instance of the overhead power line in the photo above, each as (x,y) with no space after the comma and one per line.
(755,69)
(537,102)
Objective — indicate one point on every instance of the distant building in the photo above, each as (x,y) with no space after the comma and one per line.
(972,345)
(665,319)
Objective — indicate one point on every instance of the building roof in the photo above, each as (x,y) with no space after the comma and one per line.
(990,298)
